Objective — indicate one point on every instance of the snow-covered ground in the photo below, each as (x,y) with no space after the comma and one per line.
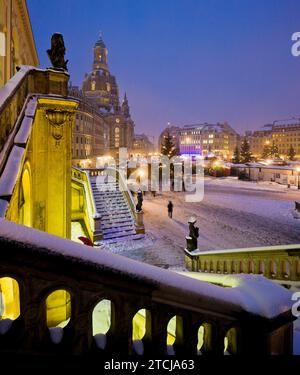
(233,214)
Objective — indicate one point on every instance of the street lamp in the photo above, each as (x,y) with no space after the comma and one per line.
(298,176)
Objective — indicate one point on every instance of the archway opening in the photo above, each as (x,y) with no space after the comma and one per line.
(102,321)
(25,200)
(9,303)
(58,313)
(140,329)
(204,344)
(230,342)
(174,333)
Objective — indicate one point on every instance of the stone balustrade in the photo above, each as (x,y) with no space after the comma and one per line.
(280,263)
(41,264)
(17,91)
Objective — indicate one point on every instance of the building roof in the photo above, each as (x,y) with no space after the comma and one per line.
(218,127)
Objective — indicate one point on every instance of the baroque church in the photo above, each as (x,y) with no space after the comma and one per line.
(101,87)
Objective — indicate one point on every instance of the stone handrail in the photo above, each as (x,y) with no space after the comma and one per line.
(280,263)
(14,95)
(82,177)
(257,310)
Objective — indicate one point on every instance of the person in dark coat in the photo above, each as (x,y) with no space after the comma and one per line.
(170,209)
(138,207)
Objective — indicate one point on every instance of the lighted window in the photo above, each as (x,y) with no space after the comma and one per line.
(2,44)
(108,87)
(210,136)
(93,85)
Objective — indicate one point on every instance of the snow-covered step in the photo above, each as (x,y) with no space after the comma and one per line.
(104,212)
(112,209)
(122,239)
(109,231)
(120,221)
(108,194)
(110,200)
(115,216)
(116,219)
(120,225)
(118,234)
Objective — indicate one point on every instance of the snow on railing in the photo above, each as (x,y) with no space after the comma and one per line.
(254,310)
(280,263)
(82,177)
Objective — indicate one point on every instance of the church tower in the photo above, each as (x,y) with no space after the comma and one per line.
(125,107)
(100,85)
(100,56)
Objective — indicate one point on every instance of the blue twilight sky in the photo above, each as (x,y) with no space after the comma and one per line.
(184,61)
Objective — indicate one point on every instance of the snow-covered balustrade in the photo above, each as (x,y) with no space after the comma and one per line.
(83,204)
(14,96)
(36,119)
(58,296)
(279,263)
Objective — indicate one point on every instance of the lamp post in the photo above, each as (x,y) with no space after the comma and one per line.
(298,177)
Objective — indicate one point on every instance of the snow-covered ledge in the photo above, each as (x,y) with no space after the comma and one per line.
(279,263)
(254,310)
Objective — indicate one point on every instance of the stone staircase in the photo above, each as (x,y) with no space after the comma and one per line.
(117,221)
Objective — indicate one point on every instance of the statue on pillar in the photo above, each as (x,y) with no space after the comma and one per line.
(57,52)
(138,207)
(192,238)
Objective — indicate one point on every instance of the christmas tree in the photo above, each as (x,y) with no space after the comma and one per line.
(291,154)
(246,155)
(168,148)
(236,156)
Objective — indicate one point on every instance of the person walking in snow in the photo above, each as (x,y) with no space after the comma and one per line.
(170,209)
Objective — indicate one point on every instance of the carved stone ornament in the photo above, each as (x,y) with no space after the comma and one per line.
(57,118)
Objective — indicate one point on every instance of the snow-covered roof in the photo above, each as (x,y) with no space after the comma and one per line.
(250,293)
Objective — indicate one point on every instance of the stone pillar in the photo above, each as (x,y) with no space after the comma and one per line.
(97,234)
(49,157)
(139,224)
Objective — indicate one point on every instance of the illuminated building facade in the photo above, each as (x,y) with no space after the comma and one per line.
(141,145)
(204,139)
(90,137)
(17,45)
(283,134)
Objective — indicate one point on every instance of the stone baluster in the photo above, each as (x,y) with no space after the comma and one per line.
(33,317)
(121,332)
(160,319)
(78,334)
